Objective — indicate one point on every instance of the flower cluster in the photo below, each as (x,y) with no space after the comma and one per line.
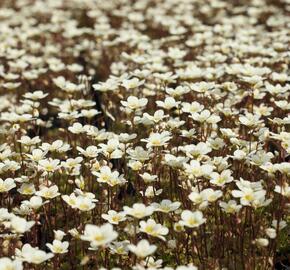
(144,134)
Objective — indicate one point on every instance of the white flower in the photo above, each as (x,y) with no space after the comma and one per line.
(99,235)
(37,155)
(210,195)
(48,192)
(151,192)
(261,242)
(20,225)
(271,233)
(34,202)
(248,195)
(71,200)
(230,207)
(192,108)
(49,165)
(76,128)
(178,91)
(112,149)
(239,154)
(5,215)
(132,83)
(216,143)
(168,103)
(109,85)
(280,77)
(157,139)
(176,53)
(205,116)
(166,77)
(221,179)
(250,120)
(90,113)
(174,162)
(35,95)
(8,264)
(84,203)
(195,151)
(142,249)
(67,86)
(58,247)
(195,169)
(33,255)
(135,165)
(105,175)
(29,141)
(74,233)
(152,228)
(283,190)
(166,206)
(281,226)
(90,152)
(6,185)
(114,217)
(192,219)
(26,189)
(133,103)
(151,264)
(56,146)
(139,210)
(148,178)
(175,123)
(125,137)
(120,248)
(196,197)
(148,119)
(260,158)
(202,87)
(284,168)
(58,234)
(139,154)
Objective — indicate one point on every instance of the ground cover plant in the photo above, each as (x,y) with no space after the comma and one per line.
(144,134)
